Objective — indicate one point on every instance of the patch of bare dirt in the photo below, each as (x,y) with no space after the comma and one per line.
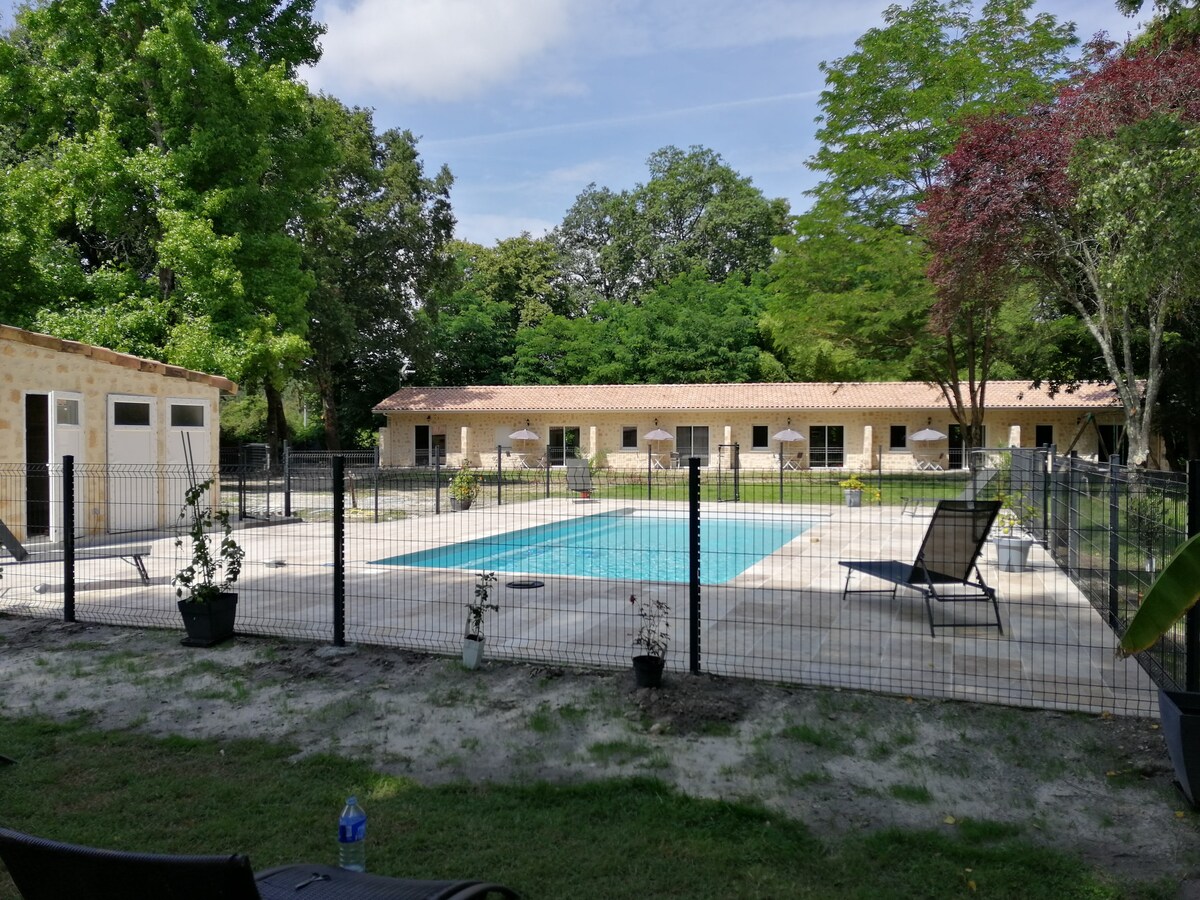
(1097,786)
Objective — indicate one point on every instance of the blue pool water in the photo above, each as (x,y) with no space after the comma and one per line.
(619,546)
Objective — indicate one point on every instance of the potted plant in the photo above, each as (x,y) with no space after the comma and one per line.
(1172,594)
(852,490)
(464,487)
(651,638)
(203,586)
(1013,543)
(472,651)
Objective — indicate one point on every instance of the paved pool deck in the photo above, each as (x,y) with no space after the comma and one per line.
(784,619)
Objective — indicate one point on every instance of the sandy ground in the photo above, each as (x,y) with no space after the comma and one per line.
(1097,786)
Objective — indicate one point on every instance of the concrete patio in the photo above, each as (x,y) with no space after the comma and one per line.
(784,619)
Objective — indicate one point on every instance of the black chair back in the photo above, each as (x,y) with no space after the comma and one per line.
(48,870)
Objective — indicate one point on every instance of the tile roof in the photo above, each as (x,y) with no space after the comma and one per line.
(783,395)
(102,354)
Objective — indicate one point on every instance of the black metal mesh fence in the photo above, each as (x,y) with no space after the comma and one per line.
(403,555)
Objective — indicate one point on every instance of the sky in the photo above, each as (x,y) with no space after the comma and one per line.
(530,101)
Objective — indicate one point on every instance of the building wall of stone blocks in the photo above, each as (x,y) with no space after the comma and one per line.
(867,434)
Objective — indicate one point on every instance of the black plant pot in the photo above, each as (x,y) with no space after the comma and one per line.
(648,671)
(1180,715)
(208,624)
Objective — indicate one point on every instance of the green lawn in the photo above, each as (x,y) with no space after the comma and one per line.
(610,839)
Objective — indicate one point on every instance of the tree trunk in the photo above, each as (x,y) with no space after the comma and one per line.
(329,412)
(277,430)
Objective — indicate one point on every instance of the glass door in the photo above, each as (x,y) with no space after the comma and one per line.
(564,444)
(826,446)
(692,440)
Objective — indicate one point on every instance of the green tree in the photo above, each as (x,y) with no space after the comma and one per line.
(1093,201)
(166,148)
(466,336)
(693,213)
(895,106)
(849,302)
(687,331)
(889,113)
(376,246)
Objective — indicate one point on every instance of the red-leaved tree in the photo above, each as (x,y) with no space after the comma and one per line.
(1093,198)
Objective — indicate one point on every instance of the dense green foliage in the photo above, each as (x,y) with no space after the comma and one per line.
(172,190)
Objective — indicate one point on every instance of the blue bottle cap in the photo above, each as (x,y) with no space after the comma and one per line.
(351,801)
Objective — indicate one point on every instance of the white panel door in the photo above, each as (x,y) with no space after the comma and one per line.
(132,476)
(188,444)
(66,439)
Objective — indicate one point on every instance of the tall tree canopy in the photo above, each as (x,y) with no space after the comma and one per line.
(850,302)
(851,276)
(376,244)
(693,213)
(689,330)
(1093,199)
(895,106)
(155,154)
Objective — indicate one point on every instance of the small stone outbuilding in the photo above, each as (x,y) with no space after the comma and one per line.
(129,423)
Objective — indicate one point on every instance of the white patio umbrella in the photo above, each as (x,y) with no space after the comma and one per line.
(927,434)
(789,434)
(650,437)
(523,435)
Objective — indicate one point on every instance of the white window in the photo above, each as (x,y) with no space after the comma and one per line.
(66,411)
(187,415)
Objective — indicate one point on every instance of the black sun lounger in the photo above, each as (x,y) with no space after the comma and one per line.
(948,556)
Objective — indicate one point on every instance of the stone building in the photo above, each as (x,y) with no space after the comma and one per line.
(852,426)
(126,421)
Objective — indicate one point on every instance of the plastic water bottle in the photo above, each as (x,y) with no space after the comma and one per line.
(352,837)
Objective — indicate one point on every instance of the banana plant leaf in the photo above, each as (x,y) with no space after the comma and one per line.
(1172,594)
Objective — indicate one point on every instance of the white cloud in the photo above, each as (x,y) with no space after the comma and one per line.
(636,27)
(433,49)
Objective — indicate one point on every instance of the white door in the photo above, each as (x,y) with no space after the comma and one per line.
(132,478)
(189,444)
(66,439)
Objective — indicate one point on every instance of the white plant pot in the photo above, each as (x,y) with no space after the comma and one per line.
(472,652)
(1012,552)
(853,497)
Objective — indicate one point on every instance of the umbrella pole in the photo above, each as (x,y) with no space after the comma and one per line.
(649,469)
(781,472)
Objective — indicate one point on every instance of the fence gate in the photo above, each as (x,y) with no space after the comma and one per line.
(728,473)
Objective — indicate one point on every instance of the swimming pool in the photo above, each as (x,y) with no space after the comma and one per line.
(618,545)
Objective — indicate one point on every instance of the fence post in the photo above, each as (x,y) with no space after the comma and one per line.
(1114,538)
(68,520)
(499,475)
(737,472)
(287,480)
(1072,516)
(694,564)
(547,472)
(241,482)
(1192,622)
(339,551)
(437,484)
(781,472)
